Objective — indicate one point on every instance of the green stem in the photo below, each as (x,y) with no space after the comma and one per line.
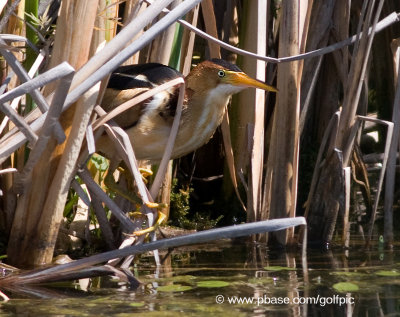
(31,9)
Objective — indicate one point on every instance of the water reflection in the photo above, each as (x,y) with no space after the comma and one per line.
(231,278)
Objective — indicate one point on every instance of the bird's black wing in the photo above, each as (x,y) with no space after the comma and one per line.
(128,81)
(141,76)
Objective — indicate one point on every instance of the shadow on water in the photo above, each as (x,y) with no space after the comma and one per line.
(230,277)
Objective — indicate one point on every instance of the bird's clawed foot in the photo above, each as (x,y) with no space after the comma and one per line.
(111,184)
(146,172)
(160,219)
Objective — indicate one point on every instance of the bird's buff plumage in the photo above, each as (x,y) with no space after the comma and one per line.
(208,89)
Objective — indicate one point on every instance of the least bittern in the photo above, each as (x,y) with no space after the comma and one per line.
(208,89)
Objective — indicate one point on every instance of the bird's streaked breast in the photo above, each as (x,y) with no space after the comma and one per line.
(208,117)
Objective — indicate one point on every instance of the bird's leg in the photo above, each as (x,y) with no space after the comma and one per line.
(109,181)
(111,184)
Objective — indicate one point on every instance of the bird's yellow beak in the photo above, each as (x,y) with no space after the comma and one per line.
(241,79)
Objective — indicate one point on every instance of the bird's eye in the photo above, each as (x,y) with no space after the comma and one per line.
(221,73)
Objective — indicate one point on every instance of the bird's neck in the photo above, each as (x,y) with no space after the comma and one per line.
(207,105)
(200,118)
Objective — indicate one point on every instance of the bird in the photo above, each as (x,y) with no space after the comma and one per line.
(208,88)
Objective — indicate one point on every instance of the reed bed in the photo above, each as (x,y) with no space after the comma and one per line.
(319,64)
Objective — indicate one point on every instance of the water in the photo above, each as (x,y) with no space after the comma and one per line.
(230,279)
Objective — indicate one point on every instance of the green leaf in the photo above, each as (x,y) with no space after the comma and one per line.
(99,162)
(212,284)
(346,287)
(279,268)
(261,280)
(348,274)
(174,288)
(178,279)
(388,273)
(137,304)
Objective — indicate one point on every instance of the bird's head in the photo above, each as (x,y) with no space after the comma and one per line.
(219,74)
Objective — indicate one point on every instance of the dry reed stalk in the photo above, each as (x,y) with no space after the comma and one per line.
(133,9)
(38,120)
(346,208)
(79,77)
(101,195)
(341,24)
(16,101)
(2,5)
(188,42)
(304,22)
(162,45)
(118,42)
(95,69)
(389,138)
(384,23)
(160,52)
(394,150)
(52,118)
(44,275)
(99,31)
(36,248)
(356,75)
(82,125)
(251,112)
(353,87)
(327,204)
(186,49)
(58,191)
(170,143)
(282,159)
(211,29)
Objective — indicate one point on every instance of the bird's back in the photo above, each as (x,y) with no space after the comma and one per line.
(127,82)
(144,119)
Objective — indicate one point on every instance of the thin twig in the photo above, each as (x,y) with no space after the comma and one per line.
(18,38)
(384,23)
(118,42)
(104,224)
(307,102)
(23,76)
(137,45)
(19,122)
(16,100)
(132,102)
(155,187)
(80,192)
(8,170)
